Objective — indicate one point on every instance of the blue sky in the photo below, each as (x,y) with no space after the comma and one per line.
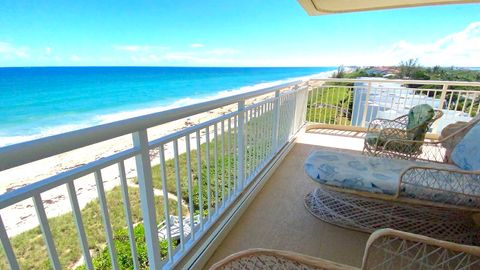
(231,33)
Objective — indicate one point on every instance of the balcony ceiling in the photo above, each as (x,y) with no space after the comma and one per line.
(322,7)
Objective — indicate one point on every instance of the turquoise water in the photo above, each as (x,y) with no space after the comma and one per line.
(37,102)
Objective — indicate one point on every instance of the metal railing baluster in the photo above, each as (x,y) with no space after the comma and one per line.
(166,208)
(190,186)
(128,214)
(199,178)
(263,133)
(229,154)
(72,194)
(276,119)
(179,193)
(215,157)
(241,144)
(223,163)
(317,107)
(236,154)
(255,140)
(106,219)
(46,232)
(7,247)
(207,163)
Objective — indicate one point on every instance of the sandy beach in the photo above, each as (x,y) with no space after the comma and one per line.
(21,216)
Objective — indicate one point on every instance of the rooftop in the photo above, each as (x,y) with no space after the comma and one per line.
(321,7)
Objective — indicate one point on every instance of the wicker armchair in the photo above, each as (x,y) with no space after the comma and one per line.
(382,134)
(385,249)
(430,151)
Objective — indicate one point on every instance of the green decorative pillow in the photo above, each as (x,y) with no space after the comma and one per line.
(418,118)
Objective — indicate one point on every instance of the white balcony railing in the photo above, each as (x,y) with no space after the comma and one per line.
(207,167)
(351,104)
(213,164)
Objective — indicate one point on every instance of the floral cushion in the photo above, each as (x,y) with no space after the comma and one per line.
(358,172)
(466,153)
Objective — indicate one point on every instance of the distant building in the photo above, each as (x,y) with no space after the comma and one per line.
(375,72)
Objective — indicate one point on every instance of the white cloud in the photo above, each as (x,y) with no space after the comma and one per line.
(127,48)
(186,58)
(139,48)
(456,49)
(146,59)
(9,51)
(459,49)
(75,58)
(206,57)
(158,55)
(221,52)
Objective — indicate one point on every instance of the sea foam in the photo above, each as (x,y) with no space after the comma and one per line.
(108,118)
(153,108)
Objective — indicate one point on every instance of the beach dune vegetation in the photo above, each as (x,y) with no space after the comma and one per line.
(31,251)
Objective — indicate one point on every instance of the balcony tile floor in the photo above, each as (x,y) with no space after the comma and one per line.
(277,218)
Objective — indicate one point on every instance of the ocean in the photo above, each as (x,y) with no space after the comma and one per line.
(40,101)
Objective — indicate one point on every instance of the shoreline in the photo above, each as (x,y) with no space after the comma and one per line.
(106,116)
(22,216)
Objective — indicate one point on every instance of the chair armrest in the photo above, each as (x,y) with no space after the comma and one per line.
(259,259)
(441,185)
(431,151)
(381,123)
(392,249)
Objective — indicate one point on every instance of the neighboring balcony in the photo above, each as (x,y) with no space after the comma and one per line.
(229,182)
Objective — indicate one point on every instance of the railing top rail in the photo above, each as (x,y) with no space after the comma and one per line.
(188,130)
(26,152)
(457,83)
(54,181)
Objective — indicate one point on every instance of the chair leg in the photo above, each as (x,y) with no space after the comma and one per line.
(364,214)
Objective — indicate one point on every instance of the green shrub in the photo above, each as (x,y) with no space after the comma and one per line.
(30,248)
(124,256)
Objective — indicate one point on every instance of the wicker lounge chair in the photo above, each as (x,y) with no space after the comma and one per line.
(427,196)
(385,249)
(412,127)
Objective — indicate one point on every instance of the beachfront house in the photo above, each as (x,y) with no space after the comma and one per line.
(235,180)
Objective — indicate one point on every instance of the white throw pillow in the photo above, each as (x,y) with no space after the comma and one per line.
(466,153)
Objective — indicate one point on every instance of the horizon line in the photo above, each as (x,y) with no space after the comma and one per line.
(173,66)
(128,66)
